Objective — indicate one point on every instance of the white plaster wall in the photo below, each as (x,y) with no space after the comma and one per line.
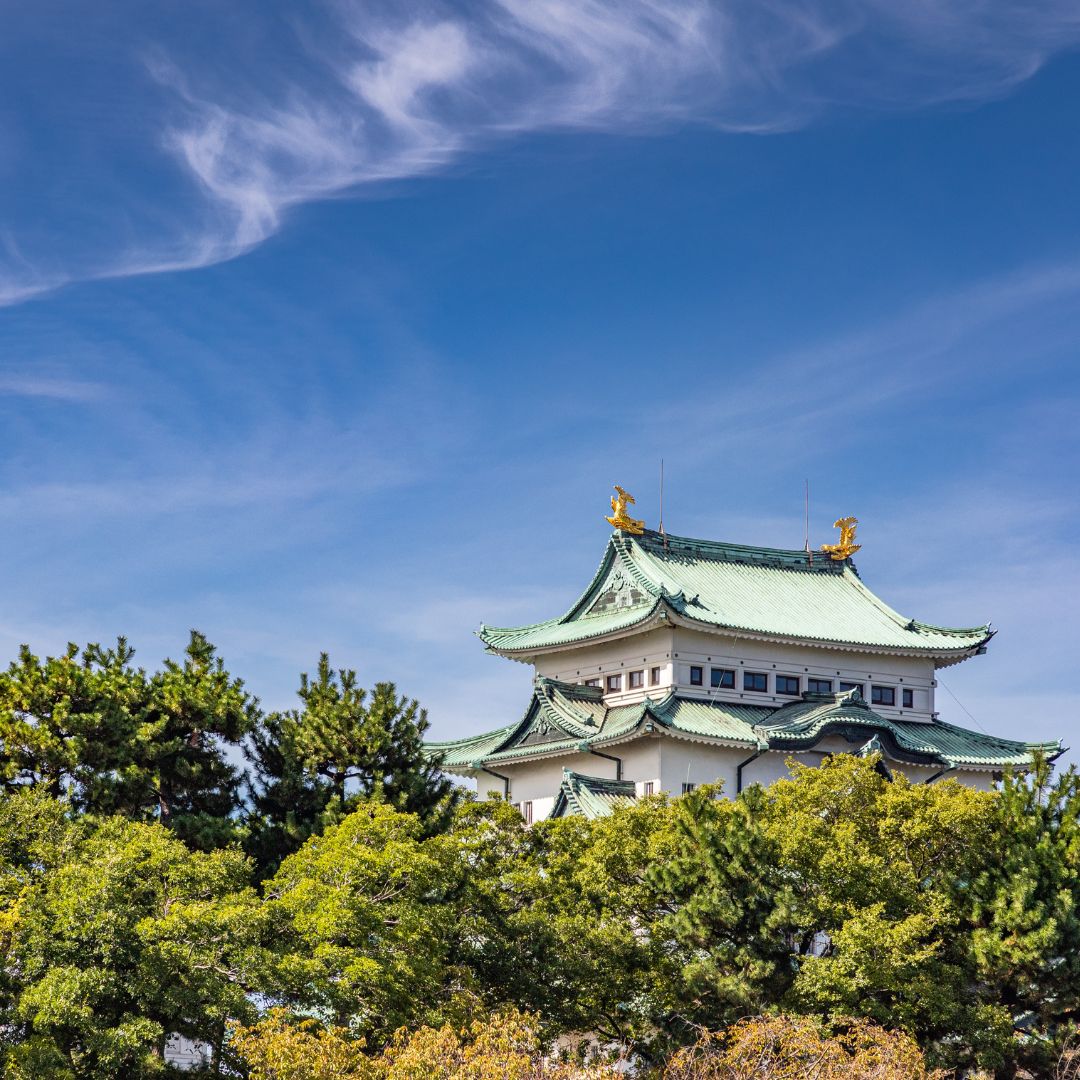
(697,648)
(669,763)
(698,763)
(537,780)
(675,649)
(638,653)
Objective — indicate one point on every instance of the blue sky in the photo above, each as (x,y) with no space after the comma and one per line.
(330,327)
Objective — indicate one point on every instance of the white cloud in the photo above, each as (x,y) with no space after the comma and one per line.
(380,93)
(52,387)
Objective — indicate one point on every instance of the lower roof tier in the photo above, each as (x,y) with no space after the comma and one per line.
(564,719)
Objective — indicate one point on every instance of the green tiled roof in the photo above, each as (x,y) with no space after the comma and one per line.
(768,591)
(591,796)
(565,719)
(802,724)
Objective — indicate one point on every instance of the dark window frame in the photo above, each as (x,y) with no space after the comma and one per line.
(787,680)
(614,683)
(654,676)
(813,685)
(883,695)
(697,675)
(721,683)
(846,687)
(688,787)
(755,675)
(907,698)
(636,679)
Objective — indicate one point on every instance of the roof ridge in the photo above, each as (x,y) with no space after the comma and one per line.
(796,557)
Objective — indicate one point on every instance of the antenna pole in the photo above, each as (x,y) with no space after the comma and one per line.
(806,522)
(662,533)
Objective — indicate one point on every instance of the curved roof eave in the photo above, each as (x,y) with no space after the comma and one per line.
(663,613)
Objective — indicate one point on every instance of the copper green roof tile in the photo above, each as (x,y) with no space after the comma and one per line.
(802,724)
(564,719)
(763,591)
(591,796)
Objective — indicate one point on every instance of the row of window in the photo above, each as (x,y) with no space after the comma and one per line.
(791,685)
(756,682)
(635,680)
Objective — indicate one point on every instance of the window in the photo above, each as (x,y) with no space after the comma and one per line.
(846,686)
(755,680)
(614,682)
(696,676)
(687,788)
(882,695)
(526,812)
(907,699)
(654,676)
(788,685)
(819,686)
(722,678)
(637,680)
(647,787)
(592,682)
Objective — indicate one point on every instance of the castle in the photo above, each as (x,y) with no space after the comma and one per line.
(687,662)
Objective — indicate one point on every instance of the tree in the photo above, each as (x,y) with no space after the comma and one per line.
(287,802)
(796,1048)
(67,724)
(502,1047)
(1023,908)
(314,764)
(727,911)
(113,739)
(122,938)
(363,926)
(598,958)
(178,773)
(875,869)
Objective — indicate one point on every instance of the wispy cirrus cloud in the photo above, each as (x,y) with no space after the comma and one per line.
(360,94)
(51,387)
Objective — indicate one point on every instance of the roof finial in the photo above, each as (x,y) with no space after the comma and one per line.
(619,517)
(846,546)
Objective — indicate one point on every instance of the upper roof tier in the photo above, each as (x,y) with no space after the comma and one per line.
(763,592)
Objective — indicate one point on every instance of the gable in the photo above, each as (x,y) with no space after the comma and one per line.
(617,594)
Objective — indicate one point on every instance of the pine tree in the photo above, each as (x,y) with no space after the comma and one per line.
(313,764)
(67,723)
(179,774)
(288,803)
(1024,909)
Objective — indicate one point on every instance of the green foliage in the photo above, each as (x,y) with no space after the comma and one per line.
(873,866)
(592,915)
(390,902)
(67,724)
(730,908)
(115,937)
(1022,904)
(342,747)
(113,739)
